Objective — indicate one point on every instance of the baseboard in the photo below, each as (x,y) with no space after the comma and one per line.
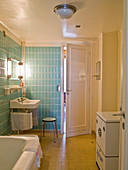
(37,131)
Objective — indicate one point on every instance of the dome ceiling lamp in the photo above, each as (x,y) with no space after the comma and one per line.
(65,11)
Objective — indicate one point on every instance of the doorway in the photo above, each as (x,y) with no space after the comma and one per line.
(76,89)
(65,77)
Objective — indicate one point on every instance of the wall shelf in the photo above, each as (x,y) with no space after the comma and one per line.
(11,88)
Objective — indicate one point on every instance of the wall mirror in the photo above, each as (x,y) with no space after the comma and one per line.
(14,69)
(2,68)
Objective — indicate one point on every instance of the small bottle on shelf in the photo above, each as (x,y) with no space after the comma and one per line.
(21,84)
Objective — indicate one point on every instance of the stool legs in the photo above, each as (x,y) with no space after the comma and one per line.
(41,132)
(54,131)
(43,129)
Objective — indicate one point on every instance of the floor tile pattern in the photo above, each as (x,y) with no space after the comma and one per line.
(75,153)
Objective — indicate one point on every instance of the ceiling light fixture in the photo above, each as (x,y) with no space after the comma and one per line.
(65,11)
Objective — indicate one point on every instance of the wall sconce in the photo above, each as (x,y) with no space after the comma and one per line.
(65,49)
(8,67)
(21,70)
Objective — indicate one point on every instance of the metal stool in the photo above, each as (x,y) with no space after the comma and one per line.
(49,119)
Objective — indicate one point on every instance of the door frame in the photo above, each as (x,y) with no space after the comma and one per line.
(62,88)
(124,69)
(125,30)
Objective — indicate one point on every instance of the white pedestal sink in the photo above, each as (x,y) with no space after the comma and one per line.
(24,103)
(23,119)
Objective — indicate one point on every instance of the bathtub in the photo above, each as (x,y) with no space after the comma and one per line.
(20,152)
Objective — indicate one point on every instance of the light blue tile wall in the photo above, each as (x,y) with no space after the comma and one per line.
(43,74)
(10,48)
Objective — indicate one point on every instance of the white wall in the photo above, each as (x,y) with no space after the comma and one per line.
(106,91)
(110,71)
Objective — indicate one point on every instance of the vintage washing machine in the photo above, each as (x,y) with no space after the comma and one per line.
(107,140)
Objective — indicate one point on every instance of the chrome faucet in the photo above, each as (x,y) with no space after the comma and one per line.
(21,99)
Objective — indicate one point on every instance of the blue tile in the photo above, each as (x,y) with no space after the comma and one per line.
(13,50)
(46,77)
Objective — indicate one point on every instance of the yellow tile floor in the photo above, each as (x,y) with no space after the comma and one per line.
(75,153)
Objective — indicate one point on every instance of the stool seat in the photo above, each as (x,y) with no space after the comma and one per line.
(49,119)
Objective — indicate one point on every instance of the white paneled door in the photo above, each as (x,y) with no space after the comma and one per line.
(78,94)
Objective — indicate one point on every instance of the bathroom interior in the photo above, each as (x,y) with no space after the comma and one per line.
(67,68)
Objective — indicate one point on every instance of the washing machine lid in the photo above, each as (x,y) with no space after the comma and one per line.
(109,117)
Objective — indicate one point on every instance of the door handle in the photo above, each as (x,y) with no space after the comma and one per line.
(120,114)
(69,90)
(99,132)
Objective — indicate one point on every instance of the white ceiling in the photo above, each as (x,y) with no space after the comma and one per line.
(34,20)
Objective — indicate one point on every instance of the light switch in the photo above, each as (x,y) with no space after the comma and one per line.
(58,88)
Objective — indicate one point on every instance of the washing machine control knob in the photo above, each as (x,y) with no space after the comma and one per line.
(99,132)
(104,129)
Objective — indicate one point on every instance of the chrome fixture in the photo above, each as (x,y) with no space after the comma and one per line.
(65,11)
